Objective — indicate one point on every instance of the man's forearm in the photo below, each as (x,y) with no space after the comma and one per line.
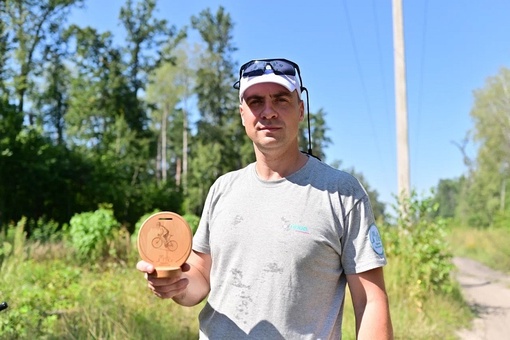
(374,322)
(197,289)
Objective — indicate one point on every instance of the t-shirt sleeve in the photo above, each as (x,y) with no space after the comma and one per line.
(361,242)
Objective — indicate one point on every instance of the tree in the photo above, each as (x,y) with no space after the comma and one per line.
(318,129)
(219,122)
(170,87)
(378,207)
(484,194)
(146,36)
(53,100)
(99,90)
(447,196)
(4,50)
(33,23)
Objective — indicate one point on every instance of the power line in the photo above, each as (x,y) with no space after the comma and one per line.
(381,68)
(360,73)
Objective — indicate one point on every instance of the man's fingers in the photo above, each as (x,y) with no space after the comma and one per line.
(145,267)
(164,290)
(185,267)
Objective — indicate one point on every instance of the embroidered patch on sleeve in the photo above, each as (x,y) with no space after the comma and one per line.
(375,239)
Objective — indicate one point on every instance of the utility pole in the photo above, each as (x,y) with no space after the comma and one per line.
(401,104)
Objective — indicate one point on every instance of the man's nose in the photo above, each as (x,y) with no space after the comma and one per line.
(268,111)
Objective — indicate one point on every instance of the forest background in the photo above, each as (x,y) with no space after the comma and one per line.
(94,136)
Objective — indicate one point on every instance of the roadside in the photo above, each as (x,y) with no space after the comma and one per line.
(488,293)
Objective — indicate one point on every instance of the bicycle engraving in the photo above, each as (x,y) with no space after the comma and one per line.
(163,239)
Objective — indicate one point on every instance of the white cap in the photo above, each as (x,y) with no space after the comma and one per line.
(291,83)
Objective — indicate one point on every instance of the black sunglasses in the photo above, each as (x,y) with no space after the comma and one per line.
(257,67)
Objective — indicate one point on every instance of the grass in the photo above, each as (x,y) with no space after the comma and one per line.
(490,246)
(56,299)
(51,296)
(439,316)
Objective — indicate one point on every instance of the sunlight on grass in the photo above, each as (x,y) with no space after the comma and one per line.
(51,296)
(490,246)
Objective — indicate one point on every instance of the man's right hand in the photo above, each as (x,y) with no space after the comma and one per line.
(167,287)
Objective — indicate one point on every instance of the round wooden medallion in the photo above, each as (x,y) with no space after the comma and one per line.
(164,240)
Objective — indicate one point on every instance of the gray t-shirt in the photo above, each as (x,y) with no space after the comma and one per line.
(280,251)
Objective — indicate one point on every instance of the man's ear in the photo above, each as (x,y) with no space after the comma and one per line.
(301,110)
(241,113)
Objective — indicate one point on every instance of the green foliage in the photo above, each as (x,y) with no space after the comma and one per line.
(193,221)
(138,225)
(217,101)
(484,193)
(502,219)
(13,242)
(447,196)
(490,246)
(40,297)
(203,172)
(94,130)
(91,233)
(420,239)
(378,207)
(59,299)
(318,129)
(47,231)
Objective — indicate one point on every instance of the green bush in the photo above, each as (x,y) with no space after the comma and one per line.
(91,233)
(47,231)
(193,221)
(421,240)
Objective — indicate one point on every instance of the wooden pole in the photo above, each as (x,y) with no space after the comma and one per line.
(401,103)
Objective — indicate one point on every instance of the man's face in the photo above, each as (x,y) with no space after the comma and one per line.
(271,116)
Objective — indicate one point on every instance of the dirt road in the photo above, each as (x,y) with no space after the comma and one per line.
(488,293)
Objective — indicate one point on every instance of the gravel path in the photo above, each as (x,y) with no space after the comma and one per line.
(488,293)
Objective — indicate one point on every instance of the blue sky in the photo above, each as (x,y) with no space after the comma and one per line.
(345,51)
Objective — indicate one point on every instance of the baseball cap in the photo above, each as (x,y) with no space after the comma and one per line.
(279,71)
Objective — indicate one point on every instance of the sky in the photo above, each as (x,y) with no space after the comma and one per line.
(344,49)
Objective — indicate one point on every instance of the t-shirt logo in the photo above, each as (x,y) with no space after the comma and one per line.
(375,239)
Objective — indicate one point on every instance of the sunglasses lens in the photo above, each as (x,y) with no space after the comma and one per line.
(283,67)
(258,67)
(254,68)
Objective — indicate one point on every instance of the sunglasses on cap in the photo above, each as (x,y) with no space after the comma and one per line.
(258,67)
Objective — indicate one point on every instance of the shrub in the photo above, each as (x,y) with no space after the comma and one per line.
(421,241)
(91,233)
(46,231)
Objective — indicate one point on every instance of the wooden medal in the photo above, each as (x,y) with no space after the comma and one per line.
(165,240)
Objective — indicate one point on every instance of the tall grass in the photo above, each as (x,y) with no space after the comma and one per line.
(490,246)
(418,311)
(52,296)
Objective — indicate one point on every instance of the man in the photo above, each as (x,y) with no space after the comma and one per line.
(279,240)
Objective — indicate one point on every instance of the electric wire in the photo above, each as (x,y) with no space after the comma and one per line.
(364,88)
(381,68)
(383,78)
